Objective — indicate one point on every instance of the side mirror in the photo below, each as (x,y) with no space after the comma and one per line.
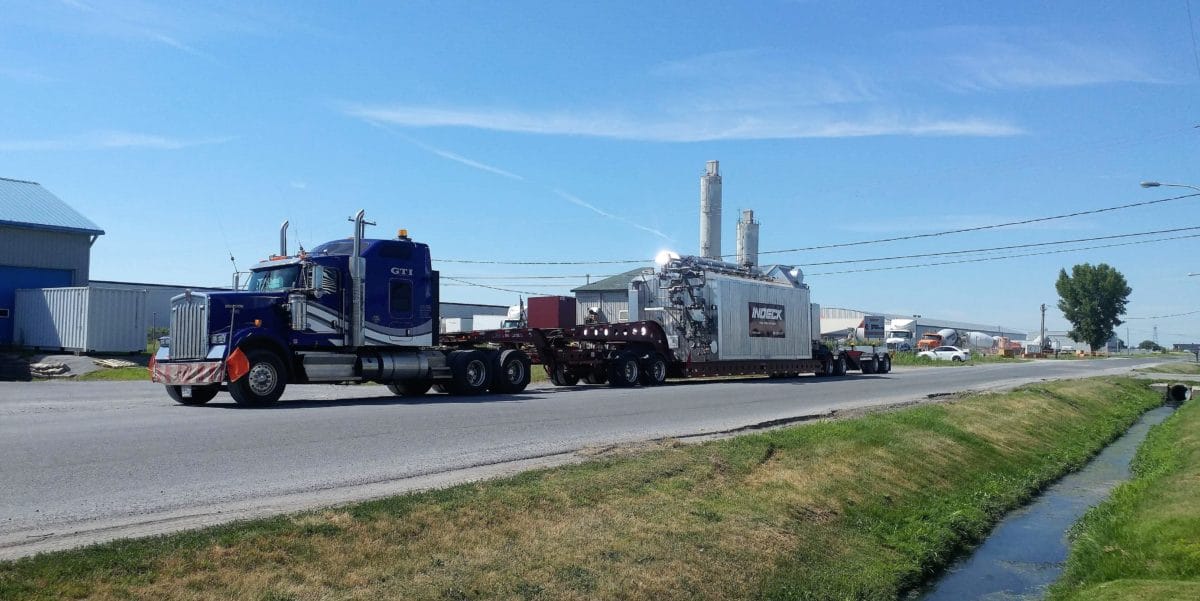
(318,280)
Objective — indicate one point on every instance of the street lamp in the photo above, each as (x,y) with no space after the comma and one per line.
(1157,184)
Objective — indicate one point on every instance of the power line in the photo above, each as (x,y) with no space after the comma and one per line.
(981,259)
(858,243)
(1165,316)
(526,292)
(1192,30)
(996,248)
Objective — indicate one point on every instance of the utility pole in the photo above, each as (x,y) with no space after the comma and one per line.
(1043,336)
(1155,335)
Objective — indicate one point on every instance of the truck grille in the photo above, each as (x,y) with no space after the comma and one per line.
(189,326)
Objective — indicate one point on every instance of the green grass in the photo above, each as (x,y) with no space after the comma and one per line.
(911,359)
(106,374)
(1173,368)
(1144,541)
(829,510)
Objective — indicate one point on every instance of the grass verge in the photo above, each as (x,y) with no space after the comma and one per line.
(855,509)
(1173,368)
(116,374)
(912,359)
(1143,542)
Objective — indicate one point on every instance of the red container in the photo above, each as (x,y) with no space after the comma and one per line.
(551,311)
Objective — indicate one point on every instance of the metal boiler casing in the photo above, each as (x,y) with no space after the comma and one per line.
(759,319)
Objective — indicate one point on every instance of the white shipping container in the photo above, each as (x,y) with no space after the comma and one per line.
(487,322)
(85,319)
(456,324)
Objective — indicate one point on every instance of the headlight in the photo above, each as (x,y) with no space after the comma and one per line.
(218,338)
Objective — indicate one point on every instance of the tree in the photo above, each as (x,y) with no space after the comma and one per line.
(1092,299)
(1148,345)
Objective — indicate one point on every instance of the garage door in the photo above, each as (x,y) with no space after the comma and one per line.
(12,278)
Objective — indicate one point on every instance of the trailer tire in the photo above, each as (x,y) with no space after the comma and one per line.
(200,394)
(561,377)
(869,366)
(410,387)
(263,383)
(839,365)
(886,364)
(596,376)
(510,372)
(623,371)
(653,370)
(826,368)
(470,373)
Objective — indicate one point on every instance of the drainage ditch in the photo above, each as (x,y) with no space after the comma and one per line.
(1026,551)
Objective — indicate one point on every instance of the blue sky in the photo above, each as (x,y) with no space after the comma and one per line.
(571,131)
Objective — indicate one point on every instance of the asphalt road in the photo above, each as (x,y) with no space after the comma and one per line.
(86,462)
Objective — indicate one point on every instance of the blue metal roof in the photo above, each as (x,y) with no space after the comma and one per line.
(29,205)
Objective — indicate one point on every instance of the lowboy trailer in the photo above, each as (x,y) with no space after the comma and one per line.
(363,310)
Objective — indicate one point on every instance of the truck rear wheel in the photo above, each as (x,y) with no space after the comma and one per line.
(410,387)
(200,394)
(470,373)
(623,371)
(511,372)
(653,370)
(885,364)
(263,383)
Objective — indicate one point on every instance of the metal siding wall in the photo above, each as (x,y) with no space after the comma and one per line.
(15,278)
(83,319)
(22,247)
(610,303)
(116,320)
(733,298)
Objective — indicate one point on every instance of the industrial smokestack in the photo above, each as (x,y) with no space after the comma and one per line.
(747,240)
(710,212)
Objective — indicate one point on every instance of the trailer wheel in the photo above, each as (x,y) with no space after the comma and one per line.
(263,383)
(886,365)
(200,394)
(653,370)
(597,375)
(869,366)
(510,372)
(839,365)
(826,368)
(562,377)
(410,387)
(623,371)
(469,373)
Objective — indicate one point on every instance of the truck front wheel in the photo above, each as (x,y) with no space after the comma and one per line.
(200,394)
(263,383)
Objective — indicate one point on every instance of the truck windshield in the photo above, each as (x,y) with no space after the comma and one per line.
(900,334)
(276,278)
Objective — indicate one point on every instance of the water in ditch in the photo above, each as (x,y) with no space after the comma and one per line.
(1025,552)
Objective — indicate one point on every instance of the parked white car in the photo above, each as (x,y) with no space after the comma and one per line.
(947,353)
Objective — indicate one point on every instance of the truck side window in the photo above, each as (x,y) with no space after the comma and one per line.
(401,297)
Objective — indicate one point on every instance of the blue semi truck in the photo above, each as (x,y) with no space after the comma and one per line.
(366,310)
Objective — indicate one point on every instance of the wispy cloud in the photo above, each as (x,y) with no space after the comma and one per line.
(971,59)
(103,140)
(567,196)
(458,158)
(571,198)
(674,129)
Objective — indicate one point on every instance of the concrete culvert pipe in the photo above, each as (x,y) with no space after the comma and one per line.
(1179,392)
